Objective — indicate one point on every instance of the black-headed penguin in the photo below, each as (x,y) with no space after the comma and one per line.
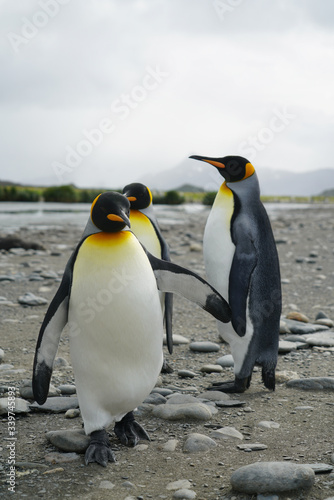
(144,225)
(241,262)
(109,295)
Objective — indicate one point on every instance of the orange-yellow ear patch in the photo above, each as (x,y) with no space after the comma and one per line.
(115,217)
(249,170)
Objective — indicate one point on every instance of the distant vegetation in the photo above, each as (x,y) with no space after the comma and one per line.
(72,194)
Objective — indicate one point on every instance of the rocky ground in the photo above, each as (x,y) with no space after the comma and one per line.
(298,422)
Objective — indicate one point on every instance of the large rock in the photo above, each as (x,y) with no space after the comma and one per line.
(71,440)
(56,404)
(272,477)
(312,383)
(198,443)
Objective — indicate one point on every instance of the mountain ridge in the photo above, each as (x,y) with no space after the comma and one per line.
(272,182)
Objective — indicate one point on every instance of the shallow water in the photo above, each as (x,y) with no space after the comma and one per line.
(47,215)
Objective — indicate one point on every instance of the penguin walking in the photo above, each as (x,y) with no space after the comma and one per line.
(241,262)
(109,296)
(145,226)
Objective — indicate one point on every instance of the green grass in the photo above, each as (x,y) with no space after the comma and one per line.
(72,194)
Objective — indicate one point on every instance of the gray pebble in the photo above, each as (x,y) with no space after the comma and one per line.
(56,404)
(67,389)
(184,494)
(321,339)
(252,447)
(321,468)
(214,396)
(204,347)
(170,446)
(186,374)
(155,399)
(72,413)
(276,477)
(2,354)
(178,398)
(312,383)
(177,485)
(198,443)
(177,340)
(49,275)
(186,412)
(230,403)
(211,369)
(72,440)
(162,390)
(285,346)
(20,406)
(225,361)
(228,433)
(30,299)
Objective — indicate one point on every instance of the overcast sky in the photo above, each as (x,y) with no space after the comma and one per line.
(100,92)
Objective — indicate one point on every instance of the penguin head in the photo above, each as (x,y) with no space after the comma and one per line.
(110,212)
(138,195)
(232,168)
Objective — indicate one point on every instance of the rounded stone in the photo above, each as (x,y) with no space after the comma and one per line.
(67,389)
(275,477)
(297,316)
(211,369)
(198,443)
(186,412)
(204,347)
(225,361)
(227,433)
(184,494)
(186,374)
(72,440)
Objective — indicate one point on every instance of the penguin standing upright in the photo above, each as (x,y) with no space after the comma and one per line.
(109,296)
(241,262)
(145,226)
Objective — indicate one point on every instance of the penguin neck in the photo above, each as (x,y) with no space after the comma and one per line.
(247,188)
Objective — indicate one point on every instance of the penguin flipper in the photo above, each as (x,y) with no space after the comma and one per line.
(168,320)
(176,279)
(48,340)
(243,264)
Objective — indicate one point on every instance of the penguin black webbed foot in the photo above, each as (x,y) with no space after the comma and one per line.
(129,432)
(238,385)
(99,449)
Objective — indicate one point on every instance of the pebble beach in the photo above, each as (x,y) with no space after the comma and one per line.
(204,444)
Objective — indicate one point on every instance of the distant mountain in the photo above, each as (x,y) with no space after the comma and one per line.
(272,182)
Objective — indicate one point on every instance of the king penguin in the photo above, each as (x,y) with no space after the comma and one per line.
(109,296)
(241,262)
(144,225)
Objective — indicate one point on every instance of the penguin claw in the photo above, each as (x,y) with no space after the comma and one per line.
(129,432)
(99,449)
(166,367)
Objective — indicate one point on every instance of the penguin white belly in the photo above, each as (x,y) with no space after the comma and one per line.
(117,327)
(218,250)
